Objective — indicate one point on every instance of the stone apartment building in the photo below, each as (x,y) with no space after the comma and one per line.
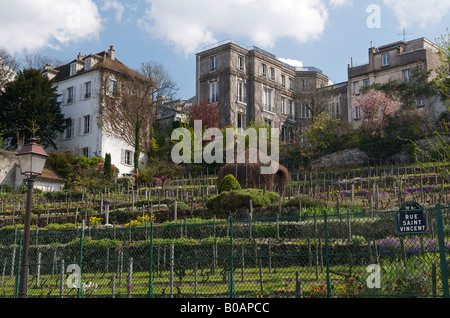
(250,84)
(393,62)
(82,84)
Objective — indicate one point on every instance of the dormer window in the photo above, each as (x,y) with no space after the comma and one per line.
(88,64)
(73,69)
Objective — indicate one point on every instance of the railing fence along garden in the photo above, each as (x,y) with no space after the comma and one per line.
(316,255)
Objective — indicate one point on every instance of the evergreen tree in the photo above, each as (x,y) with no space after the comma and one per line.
(108,167)
(29,107)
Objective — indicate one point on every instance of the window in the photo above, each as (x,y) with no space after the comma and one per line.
(366,82)
(213,63)
(112,88)
(73,69)
(356,88)
(127,157)
(263,70)
(420,101)
(240,120)
(334,109)
(268,122)
(305,111)
(356,112)
(291,83)
(85,152)
(213,92)
(87,90)
(68,131)
(272,73)
(241,63)
(283,105)
(304,84)
(291,110)
(70,94)
(241,91)
(407,75)
(283,81)
(88,64)
(385,59)
(284,133)
(268,99)
(86,124)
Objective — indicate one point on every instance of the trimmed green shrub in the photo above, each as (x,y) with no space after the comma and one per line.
(233,200)
(228,183)
(181,206)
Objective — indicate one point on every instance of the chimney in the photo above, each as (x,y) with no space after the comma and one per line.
(111,52)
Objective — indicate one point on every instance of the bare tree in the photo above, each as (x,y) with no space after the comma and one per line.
(9,66)
(316,100)
(129,112)
(38,61)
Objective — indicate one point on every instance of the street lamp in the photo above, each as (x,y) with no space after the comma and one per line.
(32,158)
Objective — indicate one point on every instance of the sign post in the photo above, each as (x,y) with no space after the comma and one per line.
(411,219)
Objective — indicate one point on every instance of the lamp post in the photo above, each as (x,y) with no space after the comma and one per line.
(32,158)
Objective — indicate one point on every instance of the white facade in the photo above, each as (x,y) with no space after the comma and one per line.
(80,101)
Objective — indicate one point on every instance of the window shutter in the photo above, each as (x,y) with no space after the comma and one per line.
(79,121)
(122,156)
(74,94)
(72,128)
(64,98)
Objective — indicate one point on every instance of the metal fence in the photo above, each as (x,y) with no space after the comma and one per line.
(315,255)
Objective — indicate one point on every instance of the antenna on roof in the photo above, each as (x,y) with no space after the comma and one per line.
(404,34)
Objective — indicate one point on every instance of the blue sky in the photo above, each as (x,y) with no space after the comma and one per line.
(327,34)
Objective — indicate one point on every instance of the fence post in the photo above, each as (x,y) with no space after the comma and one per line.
(443,263)
(16,292)
(232,290)
(80,261)
(327,262)
(150,276)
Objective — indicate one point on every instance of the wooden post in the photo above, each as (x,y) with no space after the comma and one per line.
(61,280)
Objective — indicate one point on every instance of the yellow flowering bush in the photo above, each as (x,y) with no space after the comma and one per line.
(95,221)
(140,221)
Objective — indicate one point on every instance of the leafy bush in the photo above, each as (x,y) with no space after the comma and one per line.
(229,183)
(233,200)
(181,206)
(57,227)
(6,188)
(89,242)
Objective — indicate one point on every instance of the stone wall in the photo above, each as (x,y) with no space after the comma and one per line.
(9,173)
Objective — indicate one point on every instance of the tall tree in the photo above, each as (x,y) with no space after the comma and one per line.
(409,89)
(29,107)
(135,101)
(375,107)
(208,113)
(442,80)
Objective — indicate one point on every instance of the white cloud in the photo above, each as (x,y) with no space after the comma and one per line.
(190,25)
(338,3)
(415,12)
(292,62)
(31,25)
(115,5)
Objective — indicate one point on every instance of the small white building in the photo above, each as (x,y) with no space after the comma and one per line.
(82,84)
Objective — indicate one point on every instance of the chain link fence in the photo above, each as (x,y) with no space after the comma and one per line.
(315,255)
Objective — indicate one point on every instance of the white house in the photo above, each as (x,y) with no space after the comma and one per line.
(82,83)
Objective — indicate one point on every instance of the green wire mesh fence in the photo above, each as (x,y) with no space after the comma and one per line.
(317,255)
